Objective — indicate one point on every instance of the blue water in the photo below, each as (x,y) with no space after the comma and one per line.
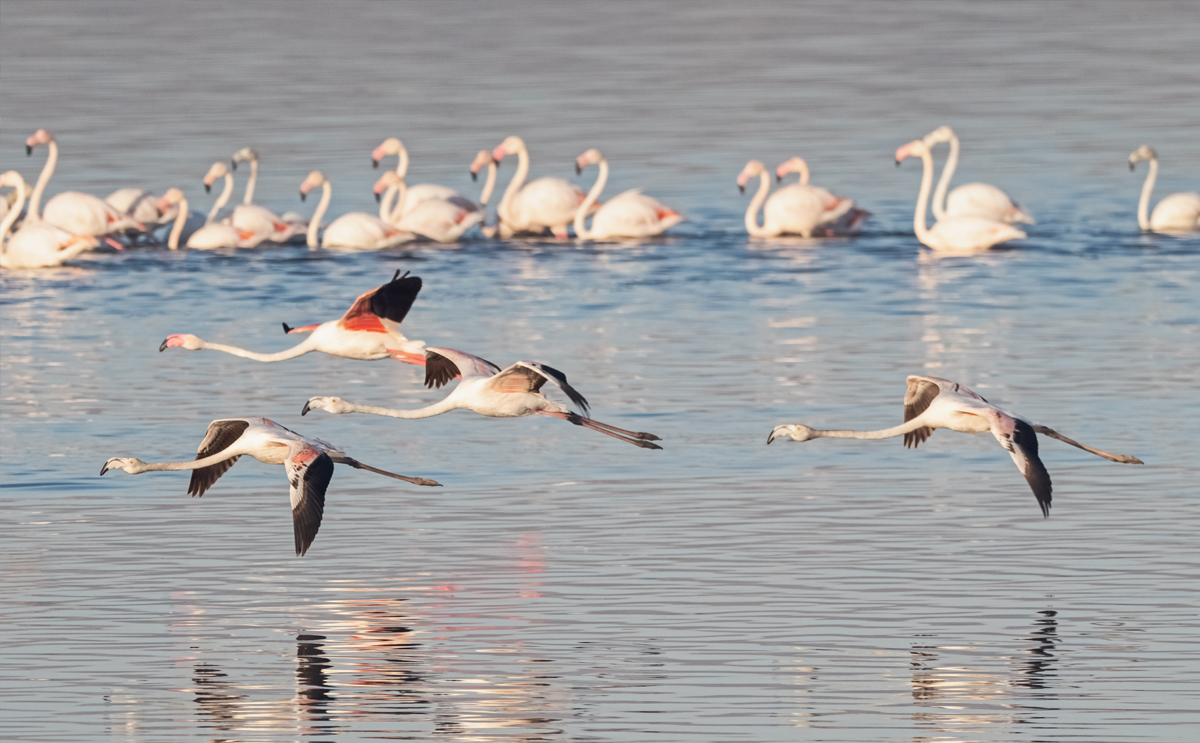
(563,586)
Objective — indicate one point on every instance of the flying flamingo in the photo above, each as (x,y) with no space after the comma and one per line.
(512,393)
(546,203)
(484,158)
(629,214)
(931,403)
(952,234)
(971,199)
(309,465)
(258,219)
(1178,213)
(838,219)
(418,193)
(370,330)
(353,230)
(211,236)
(77,213)
(437,219)
(36,244)
(794,210)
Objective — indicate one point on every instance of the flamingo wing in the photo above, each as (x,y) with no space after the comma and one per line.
(529,376)
(221,435)
(444,364)
(917,398)
(390,302)
(1020,440)
(309,471)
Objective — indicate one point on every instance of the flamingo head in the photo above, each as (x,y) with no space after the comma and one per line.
(334,405)
(169,199)
(218,170)
(796,432)
(390,146)
(591,157)
(390,179)
(12,179)
(753,168)
(915,148)
(510,146)
(795,165)
(244,155)
(314,179)
(129,464)
(188,342)
(41,136)
(938,136)
(1145,152)
(482,159)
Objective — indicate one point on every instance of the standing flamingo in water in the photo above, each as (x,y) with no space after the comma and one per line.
(370,330)
(437,219)
(77,213)
(1178,213)
(629,214)
(931,403)
(258,219)
(416,194)
(353,230)
(952,234)
(211,236)
(840,217)
(36,244)
(971,199)
(543,204)
(514,392)
(795,210)
(309,464)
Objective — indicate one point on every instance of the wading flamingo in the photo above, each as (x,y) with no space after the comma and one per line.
(629,214)
(793,210)
(931,403)
(952,234)
(484,159)
(354,230)
(139,204)
(309,465)
(543,204)
(970,199)
(370,330)
(437,219)
(218,170)
(416,194)
(1178,213)
(209,237)
(258,219)
(512,393)
(36,244)
(77,213)
(840,216)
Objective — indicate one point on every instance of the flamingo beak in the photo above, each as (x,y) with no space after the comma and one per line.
(474,176)
(207,188)
(578,170)
(1131,165)
(778,178)
(234,164)
(304,410)
(741,188)
(104,469)
(378,197)
(28,150)
(303,195)
(162,347)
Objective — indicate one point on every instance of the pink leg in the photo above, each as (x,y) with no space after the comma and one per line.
(579,420)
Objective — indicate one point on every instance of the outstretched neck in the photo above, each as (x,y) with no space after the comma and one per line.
(314,225)
(919,227)
(12,215)
(304,347)
(939,195)
(598,187)
(35,199)
(248,199)
(177,229)
(764,185)
(222,200)
(1144,202)
(518,180)
(444,406)
(220,456)
(885,433)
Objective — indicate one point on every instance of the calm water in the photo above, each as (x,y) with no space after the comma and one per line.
(563,586)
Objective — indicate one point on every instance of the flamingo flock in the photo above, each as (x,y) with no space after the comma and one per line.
(970,218)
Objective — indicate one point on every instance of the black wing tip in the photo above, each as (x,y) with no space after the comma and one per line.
(286,328)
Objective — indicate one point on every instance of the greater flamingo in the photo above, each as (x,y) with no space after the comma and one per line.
(417,193)
(629,214)
(354,230)
(931,403)
(512,393)
(484,158)
(793,210)
(437,219)
(543,204)
(1177,213)
(77,213)
(36,244)
(218,170)
(139,204)
(370,330)
(841,216)
(952,234)
(309,464)
(211,236)
(258,219)
(970,199)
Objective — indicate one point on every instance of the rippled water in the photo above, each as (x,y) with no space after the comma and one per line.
(563,586)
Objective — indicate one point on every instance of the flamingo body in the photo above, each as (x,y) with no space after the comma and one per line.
(630,214)
(543,204)
(36,244)
(980,200)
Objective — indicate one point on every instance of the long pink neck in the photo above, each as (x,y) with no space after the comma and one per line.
(299,350)
(445,406)
(47,170)
(764,186)
(919,227)
(1144,202)
(885,433)
(597,188)
(314,225)
(504,210)
(13,213)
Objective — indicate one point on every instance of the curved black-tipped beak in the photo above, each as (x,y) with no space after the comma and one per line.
(304,410)
(378,197)
(1131,166)
(578,170)
(28,152)
(374,163)
(778,178)
(233,163)
(741,188)
(104,469)
(163,346)
(207,188)
(474,176)
(303,196)
(770,438)
(286,329)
